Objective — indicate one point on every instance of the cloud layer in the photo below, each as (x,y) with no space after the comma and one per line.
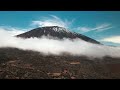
(56,47)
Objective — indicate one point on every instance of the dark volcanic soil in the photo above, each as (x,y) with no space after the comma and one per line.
(19,64)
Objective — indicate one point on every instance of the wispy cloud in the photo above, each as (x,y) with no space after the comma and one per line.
(98,28)
(13,30)
(113,39)
(52,21)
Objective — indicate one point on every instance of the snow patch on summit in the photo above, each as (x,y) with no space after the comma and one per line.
(60,29)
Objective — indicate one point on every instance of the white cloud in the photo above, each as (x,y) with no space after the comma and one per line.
(56,47)
(98,28)
(52,21)
(113,39)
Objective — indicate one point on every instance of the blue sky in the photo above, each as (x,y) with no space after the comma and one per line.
(100,25)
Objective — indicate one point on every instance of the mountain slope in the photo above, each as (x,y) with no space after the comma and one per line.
(56,32)
(20,64)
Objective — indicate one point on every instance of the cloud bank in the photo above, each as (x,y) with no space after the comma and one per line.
(56,47)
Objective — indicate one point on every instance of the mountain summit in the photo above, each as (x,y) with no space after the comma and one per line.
(56,32)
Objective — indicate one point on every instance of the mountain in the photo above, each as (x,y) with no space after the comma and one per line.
(56,32)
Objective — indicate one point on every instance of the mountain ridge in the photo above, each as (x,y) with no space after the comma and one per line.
(55,31)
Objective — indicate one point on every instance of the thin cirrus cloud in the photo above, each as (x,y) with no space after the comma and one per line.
(52,21)
(113,39)
(14,30)
(98,28)
(57,21)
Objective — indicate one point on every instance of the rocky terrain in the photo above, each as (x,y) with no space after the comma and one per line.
(19,64)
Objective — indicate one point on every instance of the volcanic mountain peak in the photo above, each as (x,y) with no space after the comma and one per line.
(56,28)
(56,32)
